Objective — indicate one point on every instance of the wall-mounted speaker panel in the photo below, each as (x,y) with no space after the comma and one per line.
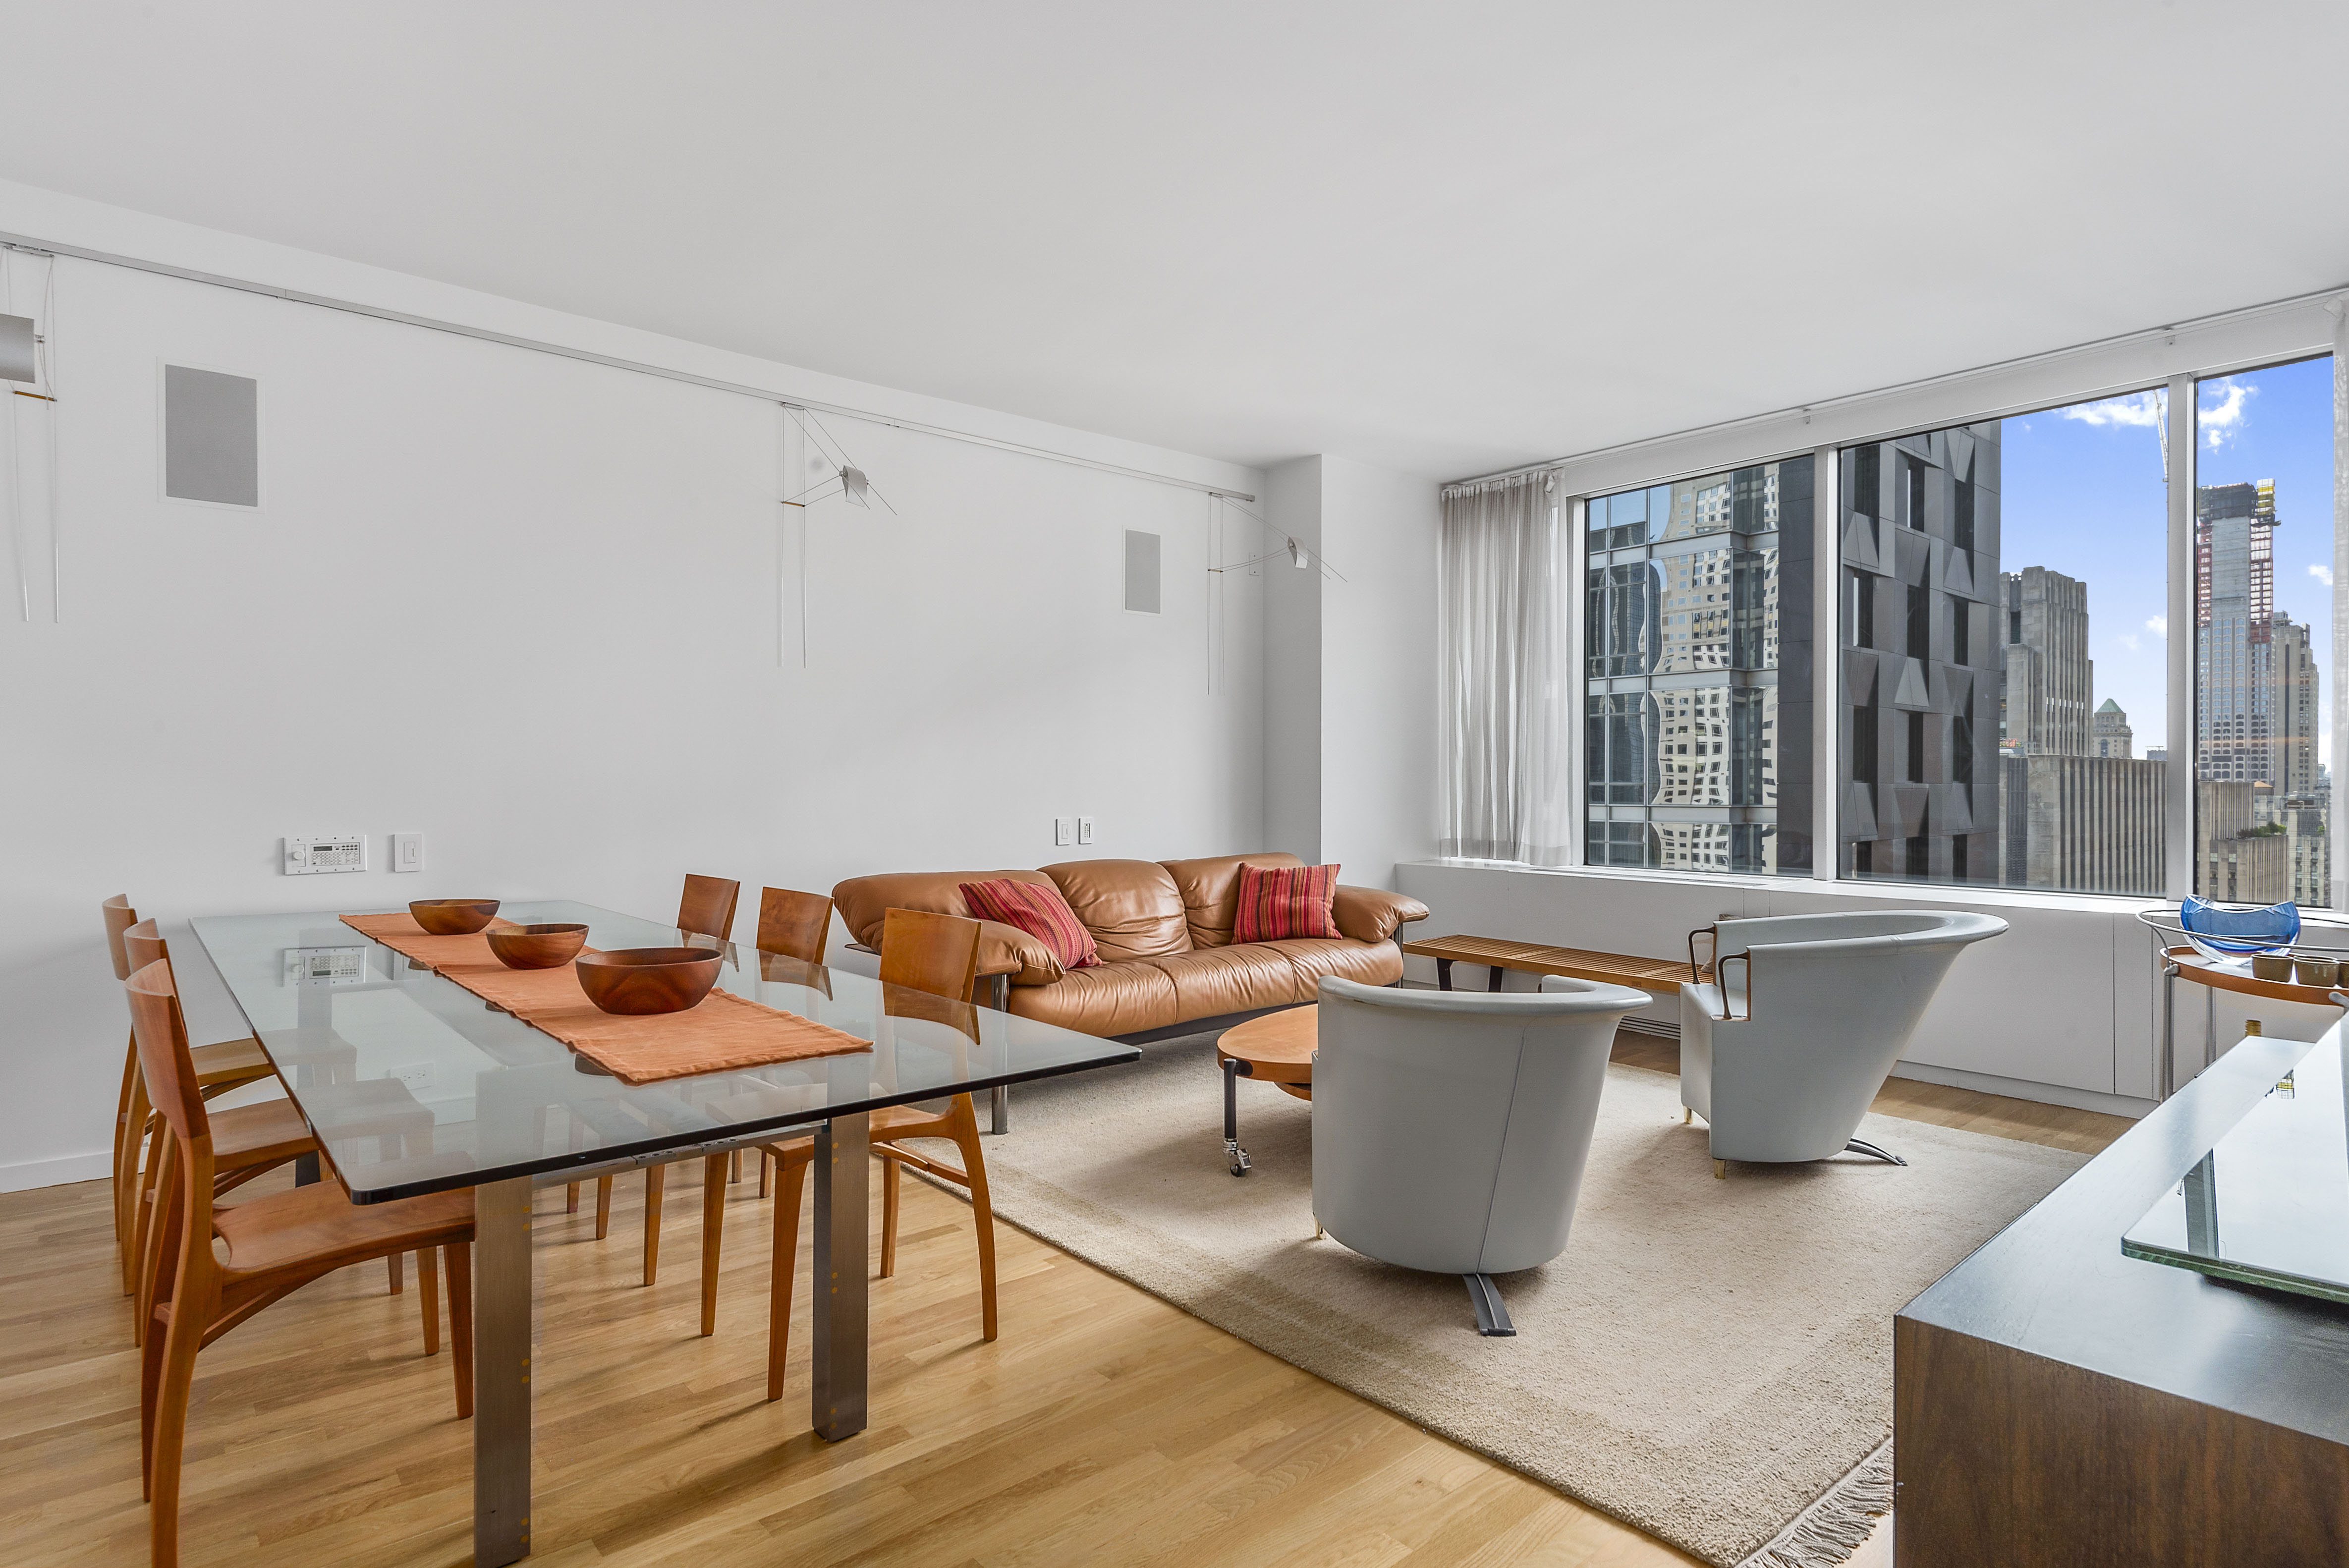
(1142,571)
(211,437)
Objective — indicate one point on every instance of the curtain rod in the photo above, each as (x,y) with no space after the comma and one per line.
(2325,296)
(432,323)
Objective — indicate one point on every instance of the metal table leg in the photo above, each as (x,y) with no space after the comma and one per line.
(1233,1153)
(998,1104)
(842,1248)
(502,1348)
(1444,974)
(2168,1028)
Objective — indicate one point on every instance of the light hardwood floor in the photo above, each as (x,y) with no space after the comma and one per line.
(1103,1427)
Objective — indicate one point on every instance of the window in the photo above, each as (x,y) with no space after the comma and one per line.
(2037,520)
(2012,730)
(1691,763)
(2263,617)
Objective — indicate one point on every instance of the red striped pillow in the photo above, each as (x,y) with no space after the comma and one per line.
(1280,902)
(1041,912)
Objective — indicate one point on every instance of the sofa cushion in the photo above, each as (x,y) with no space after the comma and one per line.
(1130,907)
(1041,912)
(1211,892)
(1233,979)
(1371,963)
(1107,999)
(864,902)
(1279,902)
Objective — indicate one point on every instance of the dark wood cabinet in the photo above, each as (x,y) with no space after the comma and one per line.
(2058,1403)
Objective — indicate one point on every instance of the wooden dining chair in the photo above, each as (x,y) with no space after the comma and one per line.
(250,1139)
(222,1266)
(936,955)
(229,1064)
(795,924)
(705,909)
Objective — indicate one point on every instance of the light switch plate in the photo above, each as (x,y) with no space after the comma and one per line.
(1064,830)
(310,854)
(408,851)
(1085,829)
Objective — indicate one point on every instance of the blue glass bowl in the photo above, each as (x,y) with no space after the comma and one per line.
(2235,931)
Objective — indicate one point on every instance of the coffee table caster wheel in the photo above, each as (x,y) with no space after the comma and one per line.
(1241,1164)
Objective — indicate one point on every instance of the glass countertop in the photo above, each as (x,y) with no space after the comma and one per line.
(2269,1204)
(413,1085)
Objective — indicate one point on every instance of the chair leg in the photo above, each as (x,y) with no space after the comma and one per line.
(785,1268)
(127,1135)
(713,1226)
(766,1163)
(571,1198)
(982,1214)
(734,1168)
(656,1184)
(179,1369)
(140,1157)
(602,1206)
(149,1239)
(428,1287)
(1492,1313)
(1720,1169)
(889,1183)
(461,1323)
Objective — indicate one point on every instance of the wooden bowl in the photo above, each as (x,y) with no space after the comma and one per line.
(638,980)
(537,946)
(454,916)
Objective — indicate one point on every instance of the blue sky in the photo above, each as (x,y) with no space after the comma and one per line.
(2082,494)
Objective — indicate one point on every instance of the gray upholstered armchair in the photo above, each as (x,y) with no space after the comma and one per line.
(1450,1127)
(1784,1050)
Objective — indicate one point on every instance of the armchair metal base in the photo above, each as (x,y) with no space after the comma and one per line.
(1492,1314)
(1233,1153)
(1860,1146)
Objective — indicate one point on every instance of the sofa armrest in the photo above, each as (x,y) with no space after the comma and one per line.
(1372,913)
(1008,949)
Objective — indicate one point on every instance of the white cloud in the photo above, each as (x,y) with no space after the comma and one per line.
(2158,625)
(2224,419)
(2322,573)
(2139,408)
(2128,641)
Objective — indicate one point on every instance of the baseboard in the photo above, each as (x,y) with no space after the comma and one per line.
(56,1172)
(2024,1088)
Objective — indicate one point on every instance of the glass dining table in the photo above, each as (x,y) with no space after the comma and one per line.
(512,1110)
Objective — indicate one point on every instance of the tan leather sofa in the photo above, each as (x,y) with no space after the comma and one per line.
(1165,935)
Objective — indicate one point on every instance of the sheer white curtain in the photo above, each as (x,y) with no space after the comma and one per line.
(1508,686)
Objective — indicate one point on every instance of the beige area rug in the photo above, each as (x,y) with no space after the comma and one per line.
(1710,1361)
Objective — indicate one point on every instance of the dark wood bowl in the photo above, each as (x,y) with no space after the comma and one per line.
(454,916)
(637,980)
(537,946)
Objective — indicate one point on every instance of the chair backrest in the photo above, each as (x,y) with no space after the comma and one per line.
(162,1036)
(932,953)
(119,917)
(795,924)
(707,906)
(1450,1127)
(143,944)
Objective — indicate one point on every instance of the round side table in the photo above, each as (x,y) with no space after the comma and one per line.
(1277,1049)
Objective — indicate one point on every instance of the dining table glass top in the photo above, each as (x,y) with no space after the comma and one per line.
(414,1085)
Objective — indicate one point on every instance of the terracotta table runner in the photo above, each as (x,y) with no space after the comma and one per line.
(723,1032)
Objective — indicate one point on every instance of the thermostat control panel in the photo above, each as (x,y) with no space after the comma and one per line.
(308,854)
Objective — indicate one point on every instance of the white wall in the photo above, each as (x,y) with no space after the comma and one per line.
(1350,672)
(2063,1008)
(529,607)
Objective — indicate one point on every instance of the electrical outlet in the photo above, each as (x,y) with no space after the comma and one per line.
(1085,829)
(408,851)
(415,1075)
(1064,830)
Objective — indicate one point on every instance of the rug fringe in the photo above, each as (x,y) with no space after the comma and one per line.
(1835,1525)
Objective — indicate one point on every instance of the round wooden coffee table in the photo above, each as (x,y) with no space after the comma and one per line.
(1277,1049)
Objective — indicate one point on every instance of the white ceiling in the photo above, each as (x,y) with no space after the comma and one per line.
(1441,238)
